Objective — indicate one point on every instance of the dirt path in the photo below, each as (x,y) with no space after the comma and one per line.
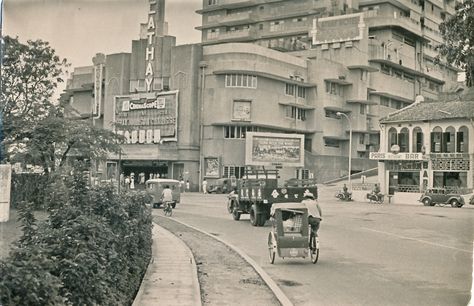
(224,276)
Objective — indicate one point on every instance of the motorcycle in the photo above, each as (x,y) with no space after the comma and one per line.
(377,198)
(344,196)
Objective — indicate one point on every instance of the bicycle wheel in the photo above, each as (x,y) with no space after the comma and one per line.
(271,247)
(314,249)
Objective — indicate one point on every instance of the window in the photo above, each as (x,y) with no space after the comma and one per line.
(361,139)
(295,90)
(436,138)
(334,143)
(237,171)
(237,132)
(362,109)
(403,140)
(260,26)
(296,113)
(276,26)
(397,73)
(331,114)
(334,89)
(211,2)
(240,80)
(212,33)
(392,138)
(384,101)
(409,42)
(302,174)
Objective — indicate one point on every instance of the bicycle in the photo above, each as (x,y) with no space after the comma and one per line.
(168,209)
(313,246)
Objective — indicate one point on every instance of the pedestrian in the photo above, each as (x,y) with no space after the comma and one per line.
(127,182)
(181,184)
(132,180)
(188,185)
(204,186)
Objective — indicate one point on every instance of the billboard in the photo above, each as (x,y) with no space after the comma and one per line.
(147,119)
(266,149)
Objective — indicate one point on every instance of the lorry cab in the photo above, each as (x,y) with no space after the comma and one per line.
(154,187)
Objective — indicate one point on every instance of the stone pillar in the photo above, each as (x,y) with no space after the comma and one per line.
(5,189)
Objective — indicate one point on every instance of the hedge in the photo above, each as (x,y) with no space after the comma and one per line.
(93,249)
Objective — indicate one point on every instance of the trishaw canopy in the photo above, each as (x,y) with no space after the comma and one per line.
(286,206)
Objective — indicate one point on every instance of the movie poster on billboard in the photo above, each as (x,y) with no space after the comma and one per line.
(265,149)
(211,167)
(154,116)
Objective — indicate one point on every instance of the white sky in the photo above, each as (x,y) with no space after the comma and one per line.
(78,29)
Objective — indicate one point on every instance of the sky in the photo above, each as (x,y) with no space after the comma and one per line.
(78,29)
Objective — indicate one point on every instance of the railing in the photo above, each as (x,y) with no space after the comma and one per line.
(406,188)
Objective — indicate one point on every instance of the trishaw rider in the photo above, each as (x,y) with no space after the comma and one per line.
(314,211)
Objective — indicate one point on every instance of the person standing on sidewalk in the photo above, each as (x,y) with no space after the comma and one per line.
(204,186)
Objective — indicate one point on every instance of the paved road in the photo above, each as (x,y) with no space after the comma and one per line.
(370,254)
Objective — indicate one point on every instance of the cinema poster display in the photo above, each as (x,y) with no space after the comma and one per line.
(211,167)
(147,118)
(266,149)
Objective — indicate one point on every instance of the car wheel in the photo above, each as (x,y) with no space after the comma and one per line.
(454,203)
(253,215)
(426,202)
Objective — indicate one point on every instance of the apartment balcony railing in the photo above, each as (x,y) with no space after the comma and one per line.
(377,19)
(242,17)
(243,33)
(222,4)
(377,52)
(287,28)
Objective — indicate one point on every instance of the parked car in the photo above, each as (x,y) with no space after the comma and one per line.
(223,185)
(154,187)
(434,196)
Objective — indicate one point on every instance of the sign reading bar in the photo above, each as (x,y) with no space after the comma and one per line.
(398,156)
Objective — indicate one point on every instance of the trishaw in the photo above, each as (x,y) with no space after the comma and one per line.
(291,235)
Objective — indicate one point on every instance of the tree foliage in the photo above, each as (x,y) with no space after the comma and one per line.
(458,35)
(35,129)
(30,75)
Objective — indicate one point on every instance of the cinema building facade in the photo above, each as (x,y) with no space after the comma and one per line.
(263,66)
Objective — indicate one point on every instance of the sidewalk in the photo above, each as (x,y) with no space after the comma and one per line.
(171,278)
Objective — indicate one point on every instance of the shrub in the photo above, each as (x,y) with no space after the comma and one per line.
(94,248)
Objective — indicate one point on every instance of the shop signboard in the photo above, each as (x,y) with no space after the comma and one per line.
(395,156)
(147,118)
(334,29)
(267,149)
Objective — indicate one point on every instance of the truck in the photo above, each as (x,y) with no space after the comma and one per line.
(258,190)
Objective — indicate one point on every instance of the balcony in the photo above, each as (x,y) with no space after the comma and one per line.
(228,20)
(226,4)
(286,29)
(376,19)
(293,9)
(232,35)
(379,53)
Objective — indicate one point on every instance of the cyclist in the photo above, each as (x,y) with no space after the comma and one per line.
(166,195)
(346,193)
(376,191)
(314,211)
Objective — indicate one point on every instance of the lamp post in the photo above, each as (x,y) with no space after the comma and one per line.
(339,114)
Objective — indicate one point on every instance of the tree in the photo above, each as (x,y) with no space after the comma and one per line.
(35,129)
(30,75)
(458,35)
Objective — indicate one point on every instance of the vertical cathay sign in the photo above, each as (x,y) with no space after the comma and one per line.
(150,48)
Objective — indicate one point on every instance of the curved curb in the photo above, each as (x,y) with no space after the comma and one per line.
(197,287)
(282,298)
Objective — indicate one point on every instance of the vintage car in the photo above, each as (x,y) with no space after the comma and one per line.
(154,187)
(223,185)
(441,196)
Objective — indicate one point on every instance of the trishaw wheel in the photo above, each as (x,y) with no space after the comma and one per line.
(314,250)
(230,206)
(271,247)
